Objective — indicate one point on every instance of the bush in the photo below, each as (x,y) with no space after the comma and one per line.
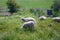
(12,6)
(56,7)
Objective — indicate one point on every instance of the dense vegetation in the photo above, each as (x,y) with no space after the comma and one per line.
(56,7)
(10,26)
(12,6)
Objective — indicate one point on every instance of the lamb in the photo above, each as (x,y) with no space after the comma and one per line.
(27,19)
(42,17)
(56,19)
(28,25)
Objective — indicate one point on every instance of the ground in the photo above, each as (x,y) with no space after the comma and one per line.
(10,26)
(10,29)
(31,3)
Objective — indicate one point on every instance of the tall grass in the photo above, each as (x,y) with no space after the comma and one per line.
(10,26)
(10,29)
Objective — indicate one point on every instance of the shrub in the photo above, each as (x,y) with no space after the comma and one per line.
(56,7)
(12,6)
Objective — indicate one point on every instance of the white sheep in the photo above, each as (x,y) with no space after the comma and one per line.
(27,19)
(29,25)
(56,19)
(42,17)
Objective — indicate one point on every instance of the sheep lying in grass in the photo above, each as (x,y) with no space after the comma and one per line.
(42,17)
(56,19)
(27,19)
(28,25)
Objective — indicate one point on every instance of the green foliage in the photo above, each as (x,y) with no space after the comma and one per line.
(10,27)
(36,11)
(12,6)
(44,29)
(56,7)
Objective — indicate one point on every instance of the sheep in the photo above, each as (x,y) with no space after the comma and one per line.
(56,19)
(42,17)
(27,19)
(28,25)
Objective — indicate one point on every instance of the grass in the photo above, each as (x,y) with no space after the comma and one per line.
(36,4)
(31,3)
(10,29)
(10,26)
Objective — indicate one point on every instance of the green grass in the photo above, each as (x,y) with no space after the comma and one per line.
(10,26)
(10,29)
(2,2)
(36,4)
(31,3)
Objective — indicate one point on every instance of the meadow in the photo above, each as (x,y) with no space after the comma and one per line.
(10,29)
(31,3)
(10,26)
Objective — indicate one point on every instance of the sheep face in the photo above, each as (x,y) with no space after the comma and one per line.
(27,19)
(23,19)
